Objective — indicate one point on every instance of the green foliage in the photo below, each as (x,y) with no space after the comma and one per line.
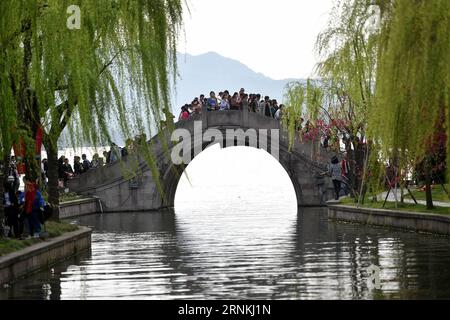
(347,68)
(293,101)
(413,79)
(12,245)
(314,100)
(400,206)
(438,193)
(71,196)
(54,229)
(124,50)
(390,86)
(340,100)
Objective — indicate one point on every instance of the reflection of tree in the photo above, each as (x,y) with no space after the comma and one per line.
(312,237)
(116,231)
(178,257)
(425,271)
(322,260)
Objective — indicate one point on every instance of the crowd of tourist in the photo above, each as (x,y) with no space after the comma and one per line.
(25,211)
(81,165)
(225,101)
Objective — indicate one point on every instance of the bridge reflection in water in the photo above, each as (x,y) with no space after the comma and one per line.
(158,256)
(242,248)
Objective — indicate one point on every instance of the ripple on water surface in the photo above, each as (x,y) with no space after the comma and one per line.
(250,251)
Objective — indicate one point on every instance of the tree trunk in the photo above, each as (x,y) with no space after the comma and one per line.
(53,192)
(351,174)
(428,195)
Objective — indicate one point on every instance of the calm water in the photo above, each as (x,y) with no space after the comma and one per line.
(253,255)
(242,240)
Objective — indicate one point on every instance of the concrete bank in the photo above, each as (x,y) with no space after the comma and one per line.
(413,221)
(76,208)
(42,255)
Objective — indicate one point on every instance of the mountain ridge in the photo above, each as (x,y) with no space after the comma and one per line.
(210,71)
(199,74)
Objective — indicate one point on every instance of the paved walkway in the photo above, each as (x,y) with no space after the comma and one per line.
(391,198)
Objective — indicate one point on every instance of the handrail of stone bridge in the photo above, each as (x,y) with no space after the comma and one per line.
(109,174)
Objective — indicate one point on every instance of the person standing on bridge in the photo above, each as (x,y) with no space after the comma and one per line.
(234,103)
(253,103)
(240,98)
(212,102)
(95,163)
(267,107)
(184,115)
(196,106)
(86,163)
(274,108)
(77,166)
(261,105)
(278,113)
(115,153)
(224,104)
(336,176)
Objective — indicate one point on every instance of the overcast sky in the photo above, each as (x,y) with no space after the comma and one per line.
(274,37)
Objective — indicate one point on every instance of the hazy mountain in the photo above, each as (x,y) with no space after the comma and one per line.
(206,72)
(211,71)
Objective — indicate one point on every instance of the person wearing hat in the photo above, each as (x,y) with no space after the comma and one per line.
(336,176)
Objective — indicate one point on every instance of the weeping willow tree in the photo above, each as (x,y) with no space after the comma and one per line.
(413,83)
(391,83)
(292,114)
(347,50)
(53,75)
(303,100)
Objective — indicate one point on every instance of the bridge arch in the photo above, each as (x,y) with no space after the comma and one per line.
(174,173)
(118,192)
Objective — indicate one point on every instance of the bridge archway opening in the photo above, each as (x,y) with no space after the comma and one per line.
(235,179)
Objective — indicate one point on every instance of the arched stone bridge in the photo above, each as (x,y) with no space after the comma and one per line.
(129,185)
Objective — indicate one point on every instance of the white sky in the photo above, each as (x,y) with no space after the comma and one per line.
(274,37)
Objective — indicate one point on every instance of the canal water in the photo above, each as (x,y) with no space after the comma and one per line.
(242,241)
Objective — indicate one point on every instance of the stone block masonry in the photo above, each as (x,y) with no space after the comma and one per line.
(76,208)
(412,221)
(43,255)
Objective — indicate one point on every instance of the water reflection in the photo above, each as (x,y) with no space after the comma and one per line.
(168,256)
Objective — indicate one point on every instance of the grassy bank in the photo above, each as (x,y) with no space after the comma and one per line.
(401,207)
(71,196)
(64,197)
(54,229)
(438,193)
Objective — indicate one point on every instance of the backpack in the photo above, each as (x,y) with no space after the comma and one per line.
(48,212)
